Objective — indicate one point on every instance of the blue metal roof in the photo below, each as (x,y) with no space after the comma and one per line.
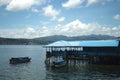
(60,43)
(94,43)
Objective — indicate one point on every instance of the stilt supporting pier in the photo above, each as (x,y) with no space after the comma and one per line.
(75,56)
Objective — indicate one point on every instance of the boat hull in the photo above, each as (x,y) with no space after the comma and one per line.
(59,64)
(19,60)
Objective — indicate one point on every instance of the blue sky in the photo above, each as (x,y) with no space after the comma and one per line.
(38,18)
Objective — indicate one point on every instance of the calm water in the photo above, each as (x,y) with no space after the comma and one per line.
(37,70)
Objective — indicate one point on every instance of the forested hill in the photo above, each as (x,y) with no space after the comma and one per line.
(49,39)
(11,41)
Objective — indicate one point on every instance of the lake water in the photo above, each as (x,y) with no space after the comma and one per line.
(37,70)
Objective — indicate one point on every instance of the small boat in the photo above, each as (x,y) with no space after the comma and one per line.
(19,60)
(59,63)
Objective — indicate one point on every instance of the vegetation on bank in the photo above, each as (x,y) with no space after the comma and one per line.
(9,41)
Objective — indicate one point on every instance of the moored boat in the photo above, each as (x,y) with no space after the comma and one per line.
(59,63)
(19,60)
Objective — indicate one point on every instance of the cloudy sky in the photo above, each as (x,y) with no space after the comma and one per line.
(38,18)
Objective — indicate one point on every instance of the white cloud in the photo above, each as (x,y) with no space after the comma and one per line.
(4,2)
(34,10)
(30,30)
(44,22)
(51,12)
(61,19)
(72,3)
(74,28)
(18,5)
(90,2)
(117,17)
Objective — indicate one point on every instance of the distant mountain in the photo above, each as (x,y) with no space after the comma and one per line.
(76,38)
(49,39)
(53,38)
(94,37)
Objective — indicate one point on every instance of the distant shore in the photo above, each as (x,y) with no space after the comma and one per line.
(50,39)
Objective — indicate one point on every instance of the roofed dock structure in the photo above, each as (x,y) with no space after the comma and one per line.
(92,51)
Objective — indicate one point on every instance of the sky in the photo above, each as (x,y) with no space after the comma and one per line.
(39,18)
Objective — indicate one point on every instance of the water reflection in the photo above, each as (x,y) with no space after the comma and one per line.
(84,72)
